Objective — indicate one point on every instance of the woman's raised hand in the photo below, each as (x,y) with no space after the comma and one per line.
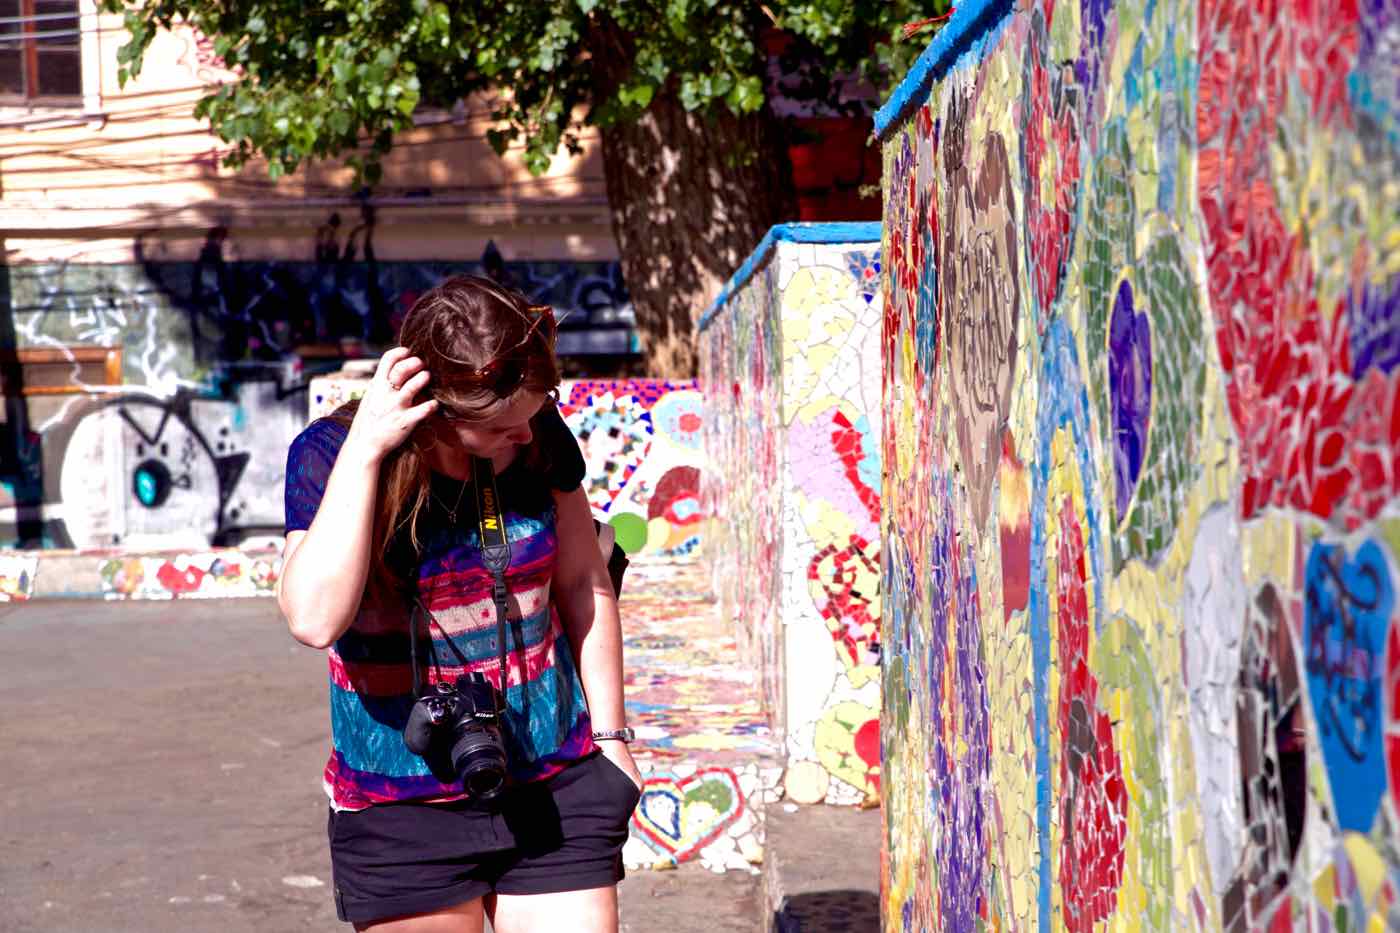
(389,410)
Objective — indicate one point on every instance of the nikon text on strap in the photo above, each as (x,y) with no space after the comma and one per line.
(495,549)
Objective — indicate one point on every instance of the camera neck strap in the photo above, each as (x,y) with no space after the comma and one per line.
(495,549)
(495,554)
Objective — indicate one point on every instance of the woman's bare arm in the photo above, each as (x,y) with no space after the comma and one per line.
(324,568)
(588,610)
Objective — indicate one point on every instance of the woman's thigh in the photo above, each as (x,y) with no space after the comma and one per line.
(461,918)
(593,910)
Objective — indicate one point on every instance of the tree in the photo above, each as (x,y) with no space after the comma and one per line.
(693,153)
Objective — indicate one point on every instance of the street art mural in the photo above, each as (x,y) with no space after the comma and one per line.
(177,321)
(219,574)
(641,439)
(790,365)
(17,577)
(178,439)
(1141,429)
(128,467)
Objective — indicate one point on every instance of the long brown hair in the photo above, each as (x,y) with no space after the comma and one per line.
(455,328)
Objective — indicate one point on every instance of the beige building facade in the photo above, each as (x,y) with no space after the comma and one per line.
(161,315)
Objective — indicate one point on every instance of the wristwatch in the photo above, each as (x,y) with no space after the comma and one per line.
(620,735)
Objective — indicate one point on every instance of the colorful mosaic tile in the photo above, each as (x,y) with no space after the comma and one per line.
(641,438)
(791,370)
(1141,430)
(709,760)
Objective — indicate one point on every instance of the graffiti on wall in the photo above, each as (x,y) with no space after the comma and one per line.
(218,574)
(177,321)
(791,367)
(17,576)
(188,435)
(1140,522)
(136,469)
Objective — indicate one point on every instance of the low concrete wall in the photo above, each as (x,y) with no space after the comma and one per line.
(220,573)
(790,368)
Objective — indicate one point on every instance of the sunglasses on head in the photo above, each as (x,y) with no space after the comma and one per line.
(506,371)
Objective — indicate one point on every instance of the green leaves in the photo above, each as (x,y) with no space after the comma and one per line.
(341,78)
(857,38)
(636,96)
(745,96)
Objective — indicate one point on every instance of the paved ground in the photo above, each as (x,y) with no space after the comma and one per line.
(162,774)
(807,886)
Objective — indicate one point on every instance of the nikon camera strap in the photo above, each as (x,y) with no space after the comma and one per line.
(495,549)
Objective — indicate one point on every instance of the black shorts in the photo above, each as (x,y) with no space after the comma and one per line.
(562,834)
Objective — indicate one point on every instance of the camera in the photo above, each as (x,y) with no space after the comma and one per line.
(461,721)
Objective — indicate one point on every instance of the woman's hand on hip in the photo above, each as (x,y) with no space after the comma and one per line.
(619,754)
(388,410)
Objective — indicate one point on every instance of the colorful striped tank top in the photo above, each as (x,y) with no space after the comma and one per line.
(546,725)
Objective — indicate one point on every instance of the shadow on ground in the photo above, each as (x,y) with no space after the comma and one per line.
(828,912)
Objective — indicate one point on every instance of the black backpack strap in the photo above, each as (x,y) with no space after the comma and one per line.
(616,556)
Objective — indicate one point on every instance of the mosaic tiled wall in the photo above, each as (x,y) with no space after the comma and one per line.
(1142,436)
(741,376)
(641,441)
(790,365)
(709,762)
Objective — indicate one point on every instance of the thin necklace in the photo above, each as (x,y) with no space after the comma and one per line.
(452,512)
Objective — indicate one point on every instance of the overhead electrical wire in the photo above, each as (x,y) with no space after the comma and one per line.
(195,129)
(89,165)
(92,164)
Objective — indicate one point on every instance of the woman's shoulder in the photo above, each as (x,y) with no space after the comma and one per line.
(310,459)
(313,453)
(323,435)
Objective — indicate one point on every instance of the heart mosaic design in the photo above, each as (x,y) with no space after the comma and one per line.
(1346,620)
(980,246)
(1094,799)
(1050,166)
(680,816)
(1130,389)
(844,583)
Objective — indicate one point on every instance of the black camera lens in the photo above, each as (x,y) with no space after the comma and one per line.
(479,757)
(484,783)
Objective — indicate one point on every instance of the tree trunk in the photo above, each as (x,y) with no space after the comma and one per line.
(691,195)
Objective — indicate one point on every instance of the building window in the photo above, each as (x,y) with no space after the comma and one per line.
(41,59)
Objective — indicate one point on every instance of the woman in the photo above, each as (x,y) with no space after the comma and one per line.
(383,538)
